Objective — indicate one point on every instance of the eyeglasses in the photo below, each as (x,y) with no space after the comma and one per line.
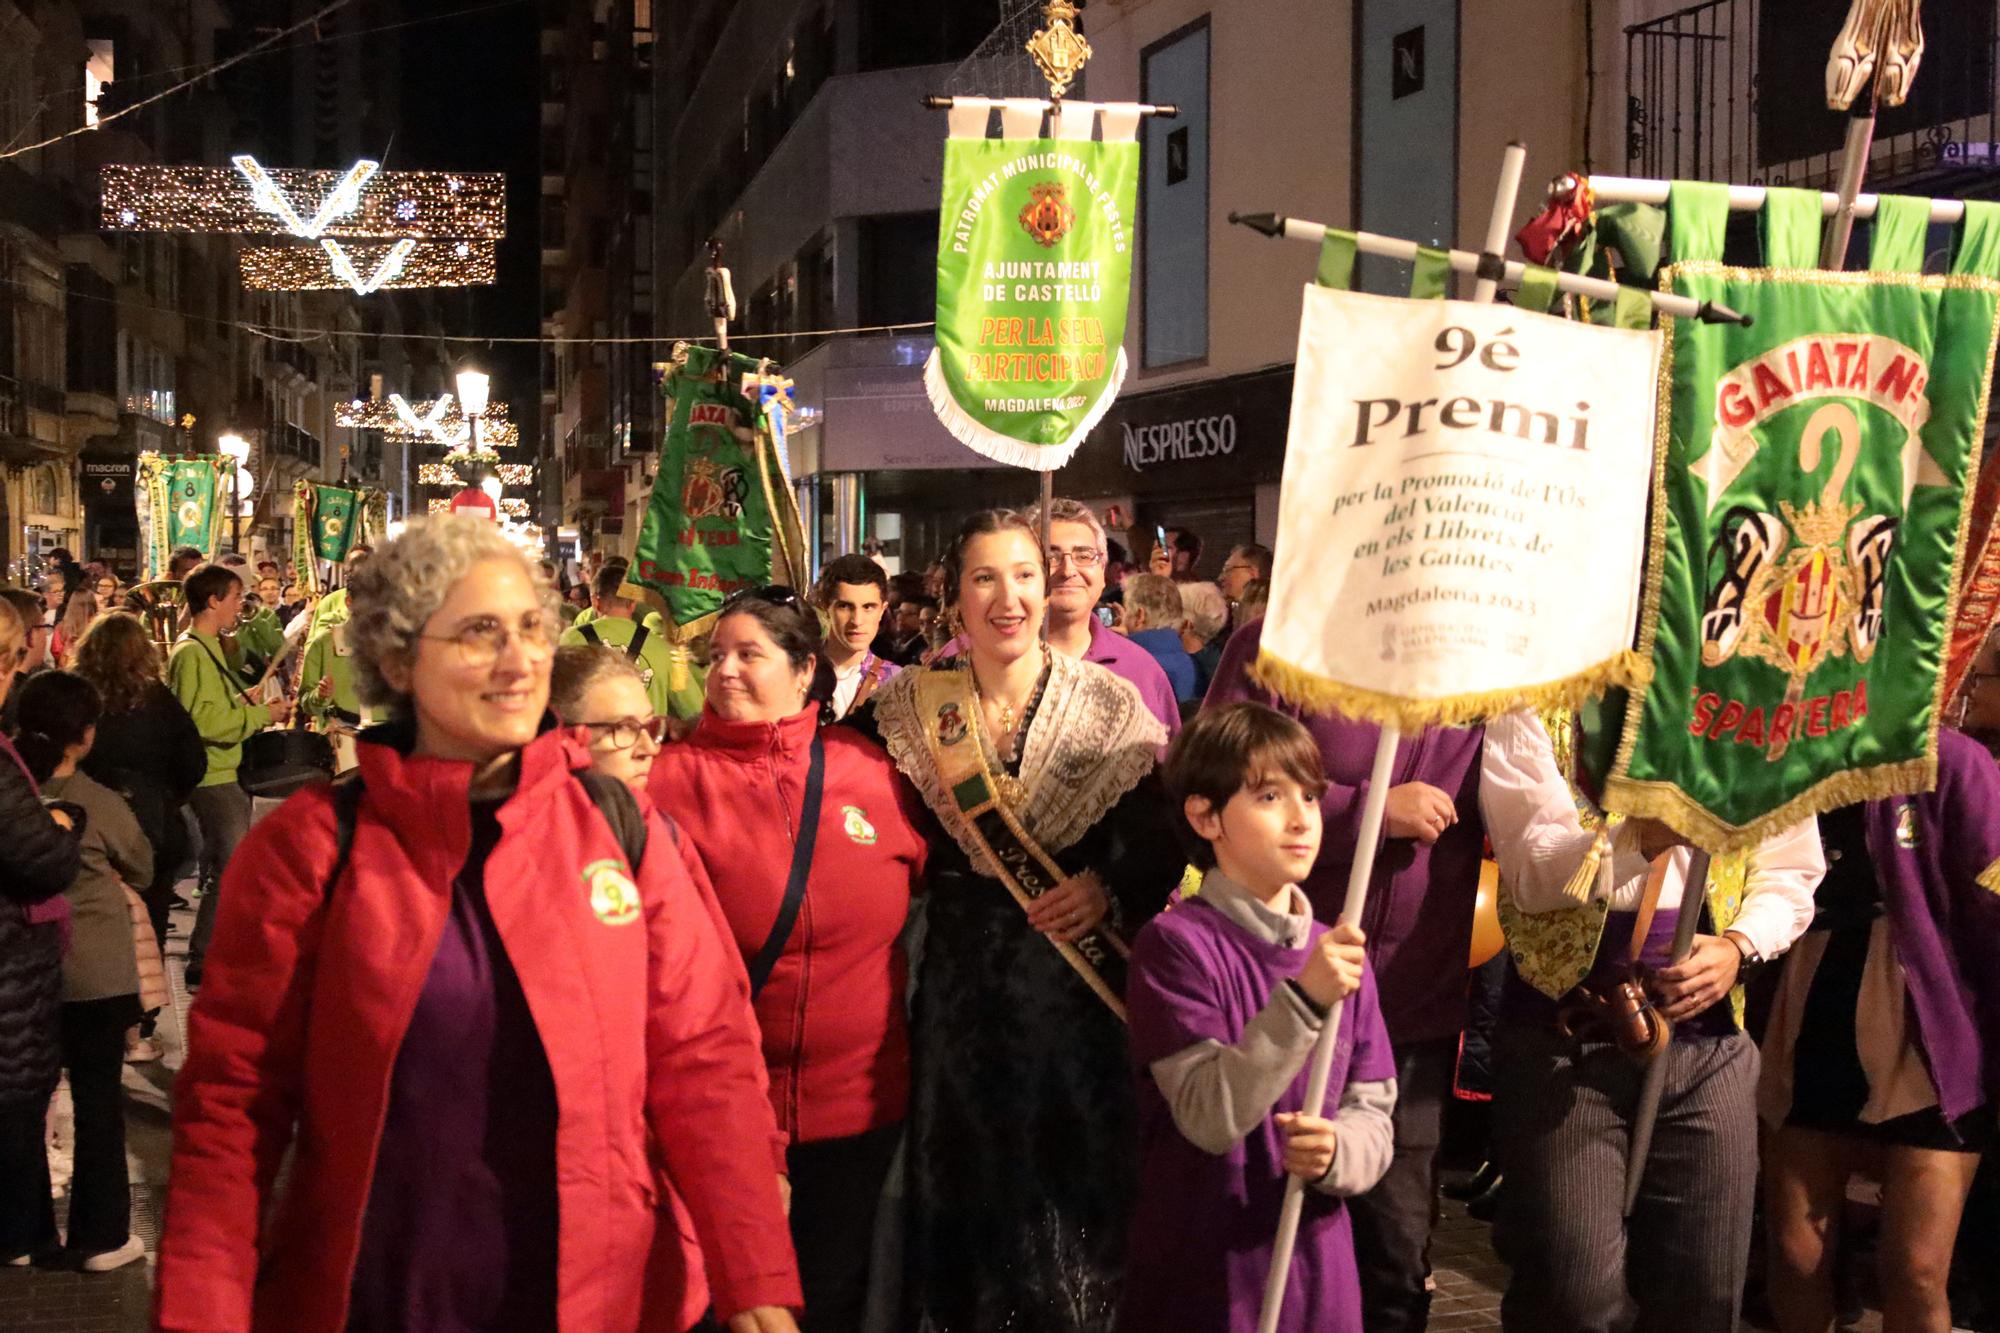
(481,643)
(1239,569)
(1083,557)
(625,732)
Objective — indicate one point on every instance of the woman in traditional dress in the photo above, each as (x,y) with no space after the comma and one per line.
(1021,1155)
(1883,1050)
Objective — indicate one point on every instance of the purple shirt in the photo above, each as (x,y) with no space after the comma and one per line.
(1202,1225)
(460,1232)
(1946,926)
(1120,656)
(1419,912)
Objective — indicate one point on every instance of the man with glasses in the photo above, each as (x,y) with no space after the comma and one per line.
(615,626)
(199,675)
(1245,564)
(1077,551)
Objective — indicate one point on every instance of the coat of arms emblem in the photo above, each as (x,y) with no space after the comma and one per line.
(1800,587)
(1047,216)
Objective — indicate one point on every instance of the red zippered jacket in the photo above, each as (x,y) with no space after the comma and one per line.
(832,1013)
(657,1084)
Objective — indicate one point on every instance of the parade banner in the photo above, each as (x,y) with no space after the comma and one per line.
(328,522)
(1462,525)
(179,502)
(1808,520)
(1979,593)
(716,523)
(1034,268)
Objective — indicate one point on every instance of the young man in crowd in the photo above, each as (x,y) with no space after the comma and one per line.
(332,607)
(199,675)
(1154,617)
(613,622)
(852,592)
(909,638)
(1077,551)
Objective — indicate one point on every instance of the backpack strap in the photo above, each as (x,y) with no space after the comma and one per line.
(614,801)
(638,644)
(346,814)
(588,629)
(795,885)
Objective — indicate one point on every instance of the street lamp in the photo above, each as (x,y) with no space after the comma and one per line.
(236,449)
(472,386)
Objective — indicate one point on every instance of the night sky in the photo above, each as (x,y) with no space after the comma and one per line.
(471,101)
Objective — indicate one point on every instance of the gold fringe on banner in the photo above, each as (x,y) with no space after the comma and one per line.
(1316,693)
(1989,878)
(1686,816)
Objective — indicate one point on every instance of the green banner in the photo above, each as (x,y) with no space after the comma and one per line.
(336,522)
(1808,514)
(709,528)
(180,501)
(1034,268)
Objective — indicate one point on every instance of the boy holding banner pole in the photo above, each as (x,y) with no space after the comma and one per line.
(1414,1299)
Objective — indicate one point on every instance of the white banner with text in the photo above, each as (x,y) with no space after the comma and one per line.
(1463,523)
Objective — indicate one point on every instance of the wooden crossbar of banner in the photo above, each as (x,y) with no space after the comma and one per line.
(1505,272)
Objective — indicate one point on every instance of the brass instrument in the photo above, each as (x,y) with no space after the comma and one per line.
(161,605)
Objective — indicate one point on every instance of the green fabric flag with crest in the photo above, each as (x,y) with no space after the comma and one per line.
(336,522)
(1034,271)
(1808,511)
(721,518)
(180,502)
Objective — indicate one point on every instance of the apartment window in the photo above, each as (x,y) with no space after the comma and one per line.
(895,33)
(898,263)
(1173,200)
(98,71)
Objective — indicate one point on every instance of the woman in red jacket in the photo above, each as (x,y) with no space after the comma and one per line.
(490,1050)
(818,918)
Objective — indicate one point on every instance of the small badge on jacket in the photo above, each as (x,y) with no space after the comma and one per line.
(855,821)
(613,895)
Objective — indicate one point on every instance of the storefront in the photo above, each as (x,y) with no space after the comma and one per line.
(1206,457)
(110,522)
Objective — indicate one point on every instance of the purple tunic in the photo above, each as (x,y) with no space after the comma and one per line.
(1202,1225)
(1946,926)
(1419,914)
(460,1232)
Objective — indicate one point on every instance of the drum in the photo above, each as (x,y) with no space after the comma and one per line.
(278,763)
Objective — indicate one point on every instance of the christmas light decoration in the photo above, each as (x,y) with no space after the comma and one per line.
(366,266)
(509,507)
(247,199)
(445,474)
(433,421)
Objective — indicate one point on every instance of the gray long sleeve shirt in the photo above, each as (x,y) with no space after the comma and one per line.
(1218,1093)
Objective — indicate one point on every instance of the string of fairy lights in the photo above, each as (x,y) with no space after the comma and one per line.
(431,228)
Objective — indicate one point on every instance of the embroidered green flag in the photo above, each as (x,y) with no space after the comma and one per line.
(716,522)
(1034,268)
(180,502)
(336,521)
(1808,513)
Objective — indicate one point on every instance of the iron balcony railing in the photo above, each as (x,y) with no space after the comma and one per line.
(1734,90)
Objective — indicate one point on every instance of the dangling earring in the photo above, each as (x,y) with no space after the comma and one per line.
(953,626)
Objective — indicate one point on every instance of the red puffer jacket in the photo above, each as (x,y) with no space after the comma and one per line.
(835,1040)
(656,1073)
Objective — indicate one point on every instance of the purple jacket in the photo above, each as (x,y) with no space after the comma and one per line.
(1946,925)
(1122,657)
(1419,913)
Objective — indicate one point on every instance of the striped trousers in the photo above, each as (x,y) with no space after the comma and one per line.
(1562,1123)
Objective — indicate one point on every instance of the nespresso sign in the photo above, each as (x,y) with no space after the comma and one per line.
(1218,433)
(1178,441)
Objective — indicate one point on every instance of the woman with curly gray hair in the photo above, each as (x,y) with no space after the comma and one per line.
(512,1052)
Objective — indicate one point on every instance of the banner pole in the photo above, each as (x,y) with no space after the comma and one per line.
(1358,875)
(1693,893)
(1363,866)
